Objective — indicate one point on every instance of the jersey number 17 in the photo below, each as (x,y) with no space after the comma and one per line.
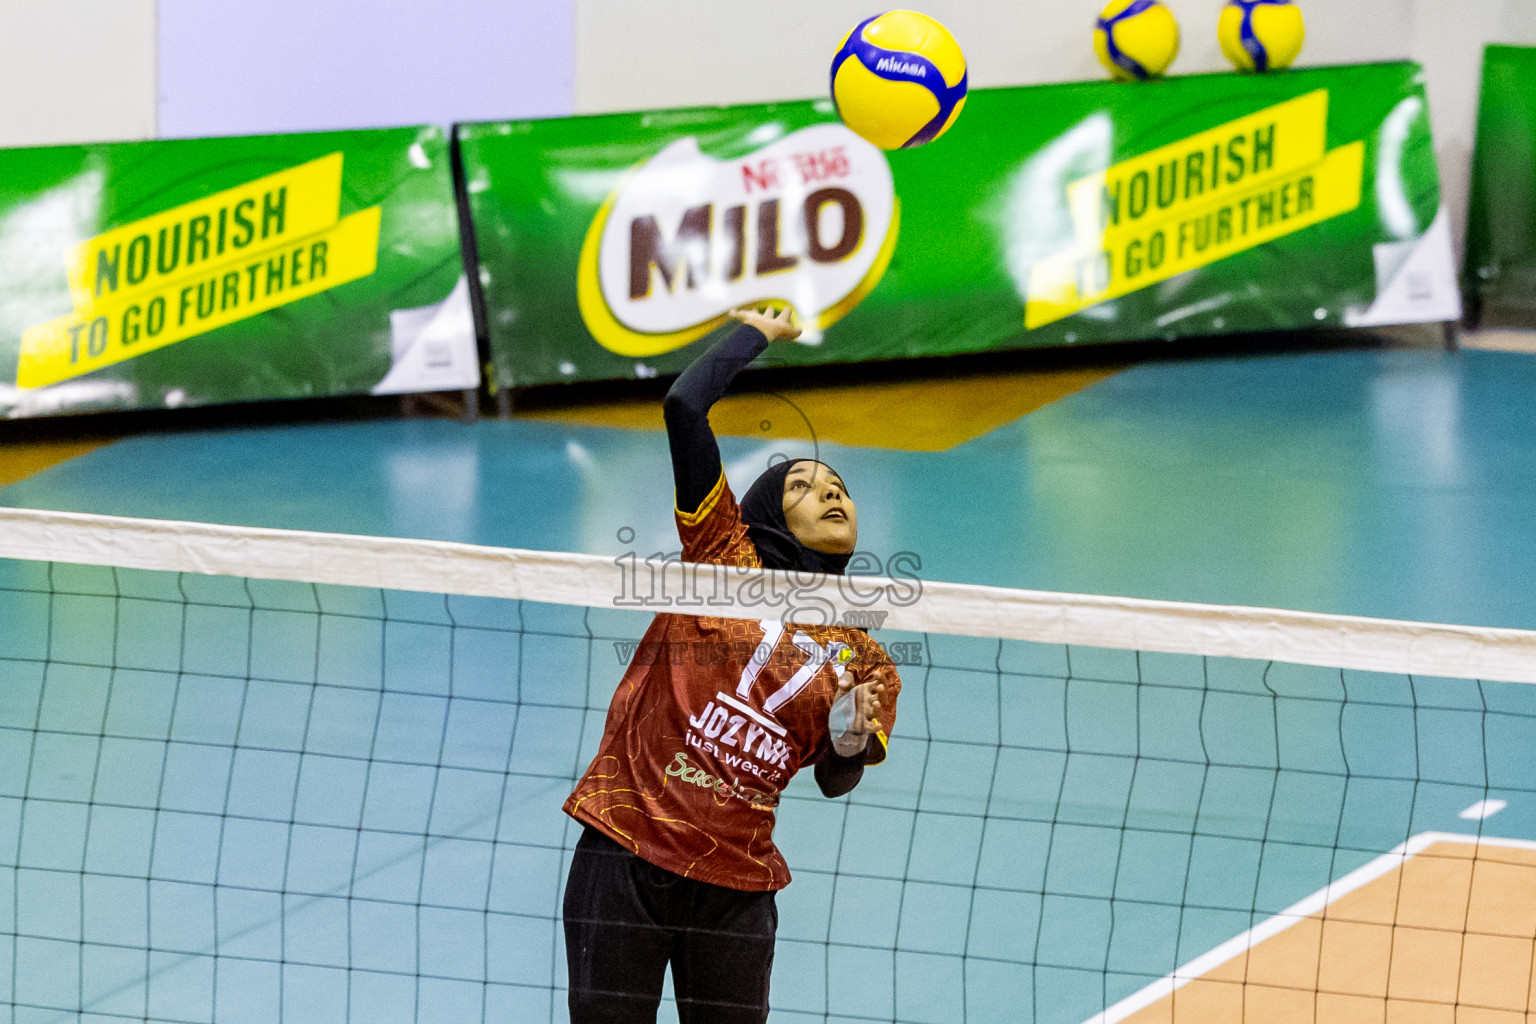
(816,656)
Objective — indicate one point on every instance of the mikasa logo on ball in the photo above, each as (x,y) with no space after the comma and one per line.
(901,67)
(809,219)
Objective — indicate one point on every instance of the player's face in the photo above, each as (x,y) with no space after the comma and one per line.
(819,512)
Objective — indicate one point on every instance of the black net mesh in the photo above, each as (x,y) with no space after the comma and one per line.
(243,801)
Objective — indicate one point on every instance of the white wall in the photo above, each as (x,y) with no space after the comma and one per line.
(1448,39)
(642,53)
(76,69)
(248,67)
(632,54)
(83,70)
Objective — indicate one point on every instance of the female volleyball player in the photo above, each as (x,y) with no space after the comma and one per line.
(677,863)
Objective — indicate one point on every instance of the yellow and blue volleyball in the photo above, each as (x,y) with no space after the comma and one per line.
(899,79)
(1261,35)
(1136,39)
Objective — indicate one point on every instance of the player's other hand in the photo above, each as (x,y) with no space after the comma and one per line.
(776,325)
(868,697)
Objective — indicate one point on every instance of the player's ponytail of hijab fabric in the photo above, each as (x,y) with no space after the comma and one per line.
(762,509)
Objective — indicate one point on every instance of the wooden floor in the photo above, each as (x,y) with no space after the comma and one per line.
(21,459)
(909,415)
(1443,934)
(1500,341)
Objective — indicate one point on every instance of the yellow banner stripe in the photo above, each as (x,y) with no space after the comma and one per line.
(1233,157)
(192,305)
(226,227)
(1069,282)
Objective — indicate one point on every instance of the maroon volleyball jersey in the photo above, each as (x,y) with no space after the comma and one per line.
(712,719)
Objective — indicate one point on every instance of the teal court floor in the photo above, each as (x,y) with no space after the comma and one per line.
(1399,484)
(227,800)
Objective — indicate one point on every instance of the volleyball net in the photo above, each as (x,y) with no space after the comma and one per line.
(256,776)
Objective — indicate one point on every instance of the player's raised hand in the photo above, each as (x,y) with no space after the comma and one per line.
(776,325)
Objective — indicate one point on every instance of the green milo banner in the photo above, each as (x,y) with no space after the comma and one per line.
(1501,220)
(160,274)
(609,246)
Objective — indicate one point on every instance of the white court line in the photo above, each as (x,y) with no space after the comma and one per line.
(1232,948)
(1483,809)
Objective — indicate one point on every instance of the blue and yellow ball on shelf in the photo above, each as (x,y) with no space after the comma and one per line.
(1136,39)
(899,79)
(1261,35)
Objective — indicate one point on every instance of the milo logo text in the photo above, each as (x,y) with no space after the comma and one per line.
(809,219)
(682,261)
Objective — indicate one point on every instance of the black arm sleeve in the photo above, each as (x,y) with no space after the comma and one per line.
(695,455)
(836,775)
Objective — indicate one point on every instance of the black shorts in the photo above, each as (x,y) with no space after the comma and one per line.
(626,919)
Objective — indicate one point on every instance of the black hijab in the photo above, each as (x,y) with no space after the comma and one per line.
(762,509)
